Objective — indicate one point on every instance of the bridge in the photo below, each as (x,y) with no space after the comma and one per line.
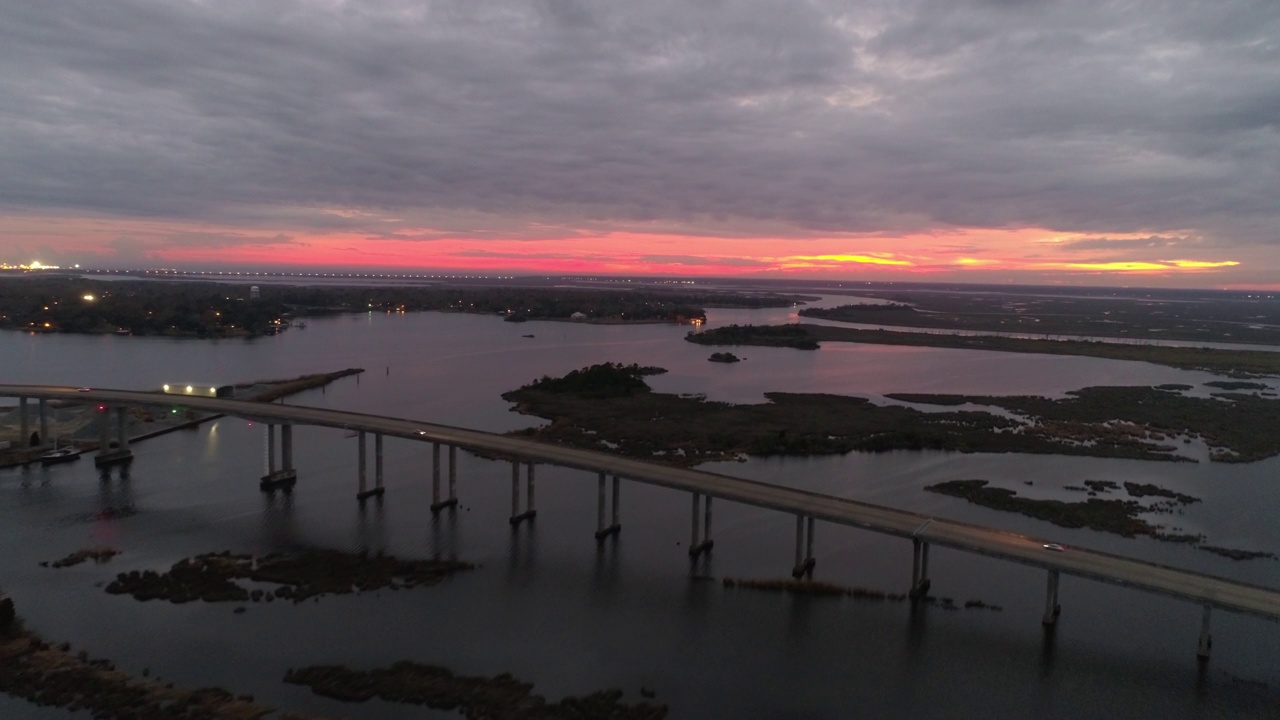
(808,507)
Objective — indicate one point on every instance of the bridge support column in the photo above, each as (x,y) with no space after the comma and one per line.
(24,423)
(435,477)
(707,542)
(804,548)
(285,477)
(1206,640)
(271,449)
(365,492)
(700,541)
(617,497)
(919,569)
(602,530)
(122,423)
(529,513)
(107,455)
(1051,607)
(44,421)
(362,456)
(453,475)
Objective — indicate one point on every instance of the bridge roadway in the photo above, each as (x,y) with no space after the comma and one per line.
(1206,590)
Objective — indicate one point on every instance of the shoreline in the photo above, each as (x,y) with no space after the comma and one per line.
(801,336)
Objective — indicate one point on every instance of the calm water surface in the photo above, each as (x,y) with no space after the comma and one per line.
(552,607)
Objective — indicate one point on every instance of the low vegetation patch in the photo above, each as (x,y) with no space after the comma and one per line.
(1239,428)
(813,588)
(476,698)
(52,676)
(221,577)
(1141,490)
(1235,554)
(1114,516)
(97,555)
(1120,517)
(1235,385)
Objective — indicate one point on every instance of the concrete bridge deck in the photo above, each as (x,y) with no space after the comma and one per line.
(1205,590)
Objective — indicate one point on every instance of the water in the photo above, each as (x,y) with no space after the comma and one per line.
(552,607)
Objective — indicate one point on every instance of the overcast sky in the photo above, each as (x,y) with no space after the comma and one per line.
(1091,142)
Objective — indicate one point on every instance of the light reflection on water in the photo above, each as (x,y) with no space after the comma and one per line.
(551,606)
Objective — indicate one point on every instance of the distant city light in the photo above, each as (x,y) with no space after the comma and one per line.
(33,265)
(89,298)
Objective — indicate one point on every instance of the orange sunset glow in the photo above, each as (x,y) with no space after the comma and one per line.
(954,254)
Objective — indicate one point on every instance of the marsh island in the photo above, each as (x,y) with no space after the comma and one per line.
(609,406)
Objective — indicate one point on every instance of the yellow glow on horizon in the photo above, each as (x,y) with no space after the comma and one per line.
(1140,265)
(1117,266)
(1196,264)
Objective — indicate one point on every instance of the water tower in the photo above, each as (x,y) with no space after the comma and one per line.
(254,292)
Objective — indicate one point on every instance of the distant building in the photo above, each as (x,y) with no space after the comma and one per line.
(254,292)
(578,317)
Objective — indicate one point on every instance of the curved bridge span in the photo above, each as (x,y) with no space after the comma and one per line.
(807,507)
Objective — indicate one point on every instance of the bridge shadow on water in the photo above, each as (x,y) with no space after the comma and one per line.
(606,568)
(278,524)
(115,499)
(1048,651)
(523,555)
(701,590)
(371,526)
(444,542)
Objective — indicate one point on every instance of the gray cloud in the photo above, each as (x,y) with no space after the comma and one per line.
(1122,244)
(730,117)
(223,240)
